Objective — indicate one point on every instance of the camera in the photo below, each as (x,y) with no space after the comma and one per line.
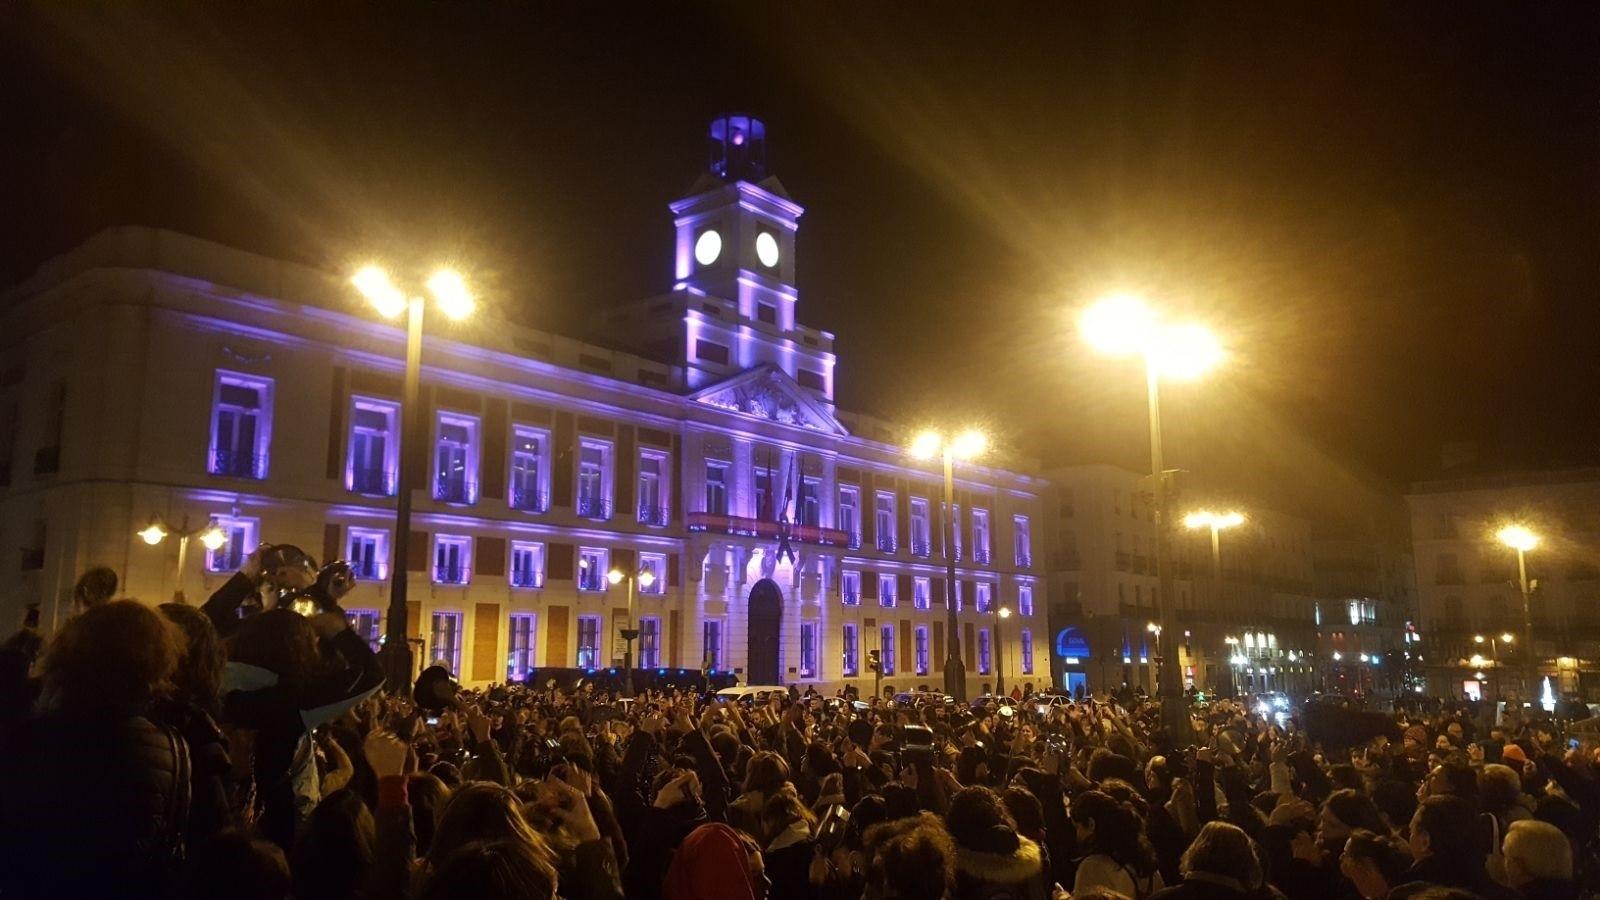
(916,743)
(832,828)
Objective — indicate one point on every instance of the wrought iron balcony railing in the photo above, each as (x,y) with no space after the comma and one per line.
(451,574)
(372,482)
(597,508)
(529,500)
(454,489)
(656,516)
(235,464)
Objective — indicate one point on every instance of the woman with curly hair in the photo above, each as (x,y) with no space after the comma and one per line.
(1118,856)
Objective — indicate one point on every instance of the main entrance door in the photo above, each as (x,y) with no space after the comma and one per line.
(766,615)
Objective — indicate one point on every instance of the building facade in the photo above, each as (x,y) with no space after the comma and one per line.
(1469,586)
(151,374)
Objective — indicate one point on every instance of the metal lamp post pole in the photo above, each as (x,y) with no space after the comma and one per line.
(395,645)
(1173,714)
(955,673)
(1529,663)
(628,634)
(999,657)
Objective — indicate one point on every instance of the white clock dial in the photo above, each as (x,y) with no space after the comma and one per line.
(707,247)
(767,249)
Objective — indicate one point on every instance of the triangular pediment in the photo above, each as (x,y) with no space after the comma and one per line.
(767,392)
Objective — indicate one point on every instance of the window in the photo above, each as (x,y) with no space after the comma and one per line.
(983,651)
(1027,651)
(528,491)
(984,591)
(763,479)
(521,637)
(241,425)
(960,594)
(594,480)
(849,517)
(656,565)
(886,590)
(716,487)
(446,641)
(711,645)
(922,649)
(592,569)
(1023,541)
(711,352)
(766,312)
(374,451)
(451,558)
(850,588)
(810,379)
(980,536)
(652,488)
(1025,599)
(809,512)
(455,460)
(527,564)
(885,520)
(808,649)
(919,527)
(369,553)
(364,622)
(955,528)
(886,649)
(240,542)
(851,650)
(588,642)
(919,593)
(649,642)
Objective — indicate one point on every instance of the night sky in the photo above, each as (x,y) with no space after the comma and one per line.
(1391,215)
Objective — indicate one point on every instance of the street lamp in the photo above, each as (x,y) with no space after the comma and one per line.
(1124,326)
(1521,539)
(968,445)
(1505,637)
(211,537)
(1205,518)
(644,580)
(451,294)
(1000,615)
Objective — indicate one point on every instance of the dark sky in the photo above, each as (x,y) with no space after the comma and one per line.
(1391,214)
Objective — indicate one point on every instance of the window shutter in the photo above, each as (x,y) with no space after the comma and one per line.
(674,571)
(330,543)
(414,618)
(867,514)
(938,647)
(485,640)
(623,467)
(623,559)
(489,557)
(424,425)
(902,589)
(492,473)
(563,461)
(869,585)
(560,564)
(555,633)
(936,585)
(970,632)
(902,517)
(419,555)
(906,660)
(339,401)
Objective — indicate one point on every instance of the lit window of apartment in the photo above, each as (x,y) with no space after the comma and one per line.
(452,558)
(919,593)
(984,651)
(239,541)
(654,476)
(885,521)
(922,649)
(851,650)
(1023,541)
(365,622)
(850,588)
(521,634)
(985,592)
(886,649)
(980,536)
(444,642)
(886,590)
(374,447)
(241,425)
(588,642)
(1027,651)
(809,510)
(1025,599)
(527,564)
(649,642)
(594,480)
(711,645)
(368,553)
(592,567)
(919,527)
(808,649)
(529,489)
(656,565)
(849,515)
(716,487)
(455,470)
(764,502)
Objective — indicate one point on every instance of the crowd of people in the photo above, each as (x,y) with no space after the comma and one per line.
(247,750)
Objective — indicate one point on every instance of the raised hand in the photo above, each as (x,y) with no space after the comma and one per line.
(386,753)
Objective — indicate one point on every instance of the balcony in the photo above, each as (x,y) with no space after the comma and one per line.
(451,574)
(596,508)
(981,556)
(854,542)
(852,598)
(529,500)
(368,570)
(919,548)
(233,464)
(47,461)
(886,601)
(712,523)
(454,489)
(1024,561)
(526,579)
(372,482)
(654,516)
(885,543)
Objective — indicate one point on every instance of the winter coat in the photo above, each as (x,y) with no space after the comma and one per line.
(711,864)
(1466,874)
(1097,870)
(1018,875)
(1205,886)
(788,863)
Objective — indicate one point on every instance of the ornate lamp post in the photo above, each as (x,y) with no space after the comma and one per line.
(933,445)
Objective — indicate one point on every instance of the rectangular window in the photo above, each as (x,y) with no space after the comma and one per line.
(766,312)
(1023,540)
(239,542)
(886,590)
(763,479)
(529,493)
(445,641)
(885,520)
(716,487)
(886,649)
(655,564)
(851,650)
(649,642)
(850,588)
(455,460)
(810,379)
(452,557)
(711,645)
(919,527)
(919,593)
(594,480)
(955,528)
(1025,599)
(809,510)
(653,475)
(922,649)
(374,450)
(519,662)
(364,622)
(808,649)
(983,651)
(1027,651)
(592,569)
(527,564)
(849,517)
(980,536)
(588,642)
(985,590)
(241,425)
(711,352)
(368,550)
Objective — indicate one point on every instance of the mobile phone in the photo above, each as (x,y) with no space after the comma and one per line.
(1572,743)
(830,831)
(431,720)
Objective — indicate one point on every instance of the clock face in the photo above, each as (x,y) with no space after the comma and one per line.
(707,247)
(767,249)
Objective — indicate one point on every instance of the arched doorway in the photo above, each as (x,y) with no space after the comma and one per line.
(766,616)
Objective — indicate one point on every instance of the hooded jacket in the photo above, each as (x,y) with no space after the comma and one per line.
(1018,875)
(711,864)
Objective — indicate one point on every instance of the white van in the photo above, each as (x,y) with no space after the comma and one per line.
(752,693)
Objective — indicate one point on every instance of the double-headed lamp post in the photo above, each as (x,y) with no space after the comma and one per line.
(211,538)
(1521,539)
(929,445)
(1216,522)
(1000,615)
(1125,326)
(1506,637)
(455,301)
(629,632)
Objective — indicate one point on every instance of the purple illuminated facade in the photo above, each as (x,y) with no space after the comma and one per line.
(148,372)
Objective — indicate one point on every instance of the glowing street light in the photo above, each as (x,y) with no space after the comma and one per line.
(450,292)
(1522,539)
(1000,615)
(212,537)
(968,445)
(644,579)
